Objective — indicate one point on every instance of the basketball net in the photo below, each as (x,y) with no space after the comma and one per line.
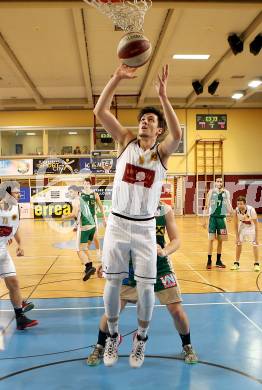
(127,15)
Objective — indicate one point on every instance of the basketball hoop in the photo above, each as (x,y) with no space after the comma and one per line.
(127,15)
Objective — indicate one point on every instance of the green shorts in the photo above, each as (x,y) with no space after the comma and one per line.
(87,235)
(217,227)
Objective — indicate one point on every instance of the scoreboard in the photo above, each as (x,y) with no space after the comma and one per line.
(211,122)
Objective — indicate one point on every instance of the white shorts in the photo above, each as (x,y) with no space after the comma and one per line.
(247,234)
(7,267)
(123,238)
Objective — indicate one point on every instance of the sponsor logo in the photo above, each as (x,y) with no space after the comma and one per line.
(168,280)
(52,210)
(138,175)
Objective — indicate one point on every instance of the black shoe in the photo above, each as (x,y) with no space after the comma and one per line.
(23,322)
(27,306)
(209,265)
(89,271)
(219,264)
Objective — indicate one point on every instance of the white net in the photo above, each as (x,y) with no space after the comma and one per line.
(127,15)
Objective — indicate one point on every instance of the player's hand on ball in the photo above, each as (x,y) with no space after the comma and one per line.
(125,72)
(99,272)
(19,251)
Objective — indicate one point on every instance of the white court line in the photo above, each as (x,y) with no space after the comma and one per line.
(134,306)
(228,300)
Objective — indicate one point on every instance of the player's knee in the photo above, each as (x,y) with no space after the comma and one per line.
(12,284)
(176,311)
(146,300)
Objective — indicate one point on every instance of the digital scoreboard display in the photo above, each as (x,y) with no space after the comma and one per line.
(211,122)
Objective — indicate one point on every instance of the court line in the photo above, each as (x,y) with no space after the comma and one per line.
(134,306)
(228,300)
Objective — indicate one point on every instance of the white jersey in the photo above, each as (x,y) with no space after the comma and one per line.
(245,220)
(9,222)
(138,182)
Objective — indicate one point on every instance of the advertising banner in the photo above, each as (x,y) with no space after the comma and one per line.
(16,167)
(56,166)
(51,210)
(98,165)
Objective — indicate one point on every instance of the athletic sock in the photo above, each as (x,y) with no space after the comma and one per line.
(113,328)
(102,336)
(18,311)
(209,259)
(218,257)
(142,332)
(185,339)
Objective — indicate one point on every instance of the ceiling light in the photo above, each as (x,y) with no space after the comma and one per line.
(235,43)
(213,87)
(72,132)
(237,95)
(191,56)
(30,133)
(256,45)
(255,83)
(198,87)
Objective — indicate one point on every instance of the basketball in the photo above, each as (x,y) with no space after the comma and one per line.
(134,49)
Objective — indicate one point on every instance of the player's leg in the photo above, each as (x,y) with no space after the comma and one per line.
(236,265)
(182,326)
(96,356)
(97,245)
(85,239)
(22,321)
(221,236)
(169,294)
(115,260)
(144,256)
(256,258)
(211,238)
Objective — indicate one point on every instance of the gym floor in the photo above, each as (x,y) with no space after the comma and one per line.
(224,308)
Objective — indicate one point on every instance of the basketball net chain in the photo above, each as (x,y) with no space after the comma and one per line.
(127,15)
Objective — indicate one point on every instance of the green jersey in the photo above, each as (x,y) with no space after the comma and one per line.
(219,203)
(87,209)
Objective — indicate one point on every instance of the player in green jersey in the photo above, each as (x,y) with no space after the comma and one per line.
(217,207)
(84,210)
(166,288)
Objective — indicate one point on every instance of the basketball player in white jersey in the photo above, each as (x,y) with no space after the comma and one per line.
(131,226)
(9,222)
(246,228)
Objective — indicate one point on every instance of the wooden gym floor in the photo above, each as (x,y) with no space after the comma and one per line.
(51,268)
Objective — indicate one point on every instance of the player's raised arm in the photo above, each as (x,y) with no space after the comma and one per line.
(171,142)
(102,108)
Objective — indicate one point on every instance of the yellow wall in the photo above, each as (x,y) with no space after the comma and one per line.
(242,147)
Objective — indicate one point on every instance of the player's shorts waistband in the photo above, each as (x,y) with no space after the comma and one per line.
(130,218)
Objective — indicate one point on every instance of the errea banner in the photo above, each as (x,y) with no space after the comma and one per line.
(51,210)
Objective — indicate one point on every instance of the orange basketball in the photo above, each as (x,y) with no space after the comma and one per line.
(134,49)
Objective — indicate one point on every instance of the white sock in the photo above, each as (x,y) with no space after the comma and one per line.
(142,332)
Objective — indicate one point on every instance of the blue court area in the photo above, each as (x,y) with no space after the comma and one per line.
(226,333)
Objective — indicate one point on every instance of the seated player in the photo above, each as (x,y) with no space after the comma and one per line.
(246,228)
(9,222)
(166,289)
